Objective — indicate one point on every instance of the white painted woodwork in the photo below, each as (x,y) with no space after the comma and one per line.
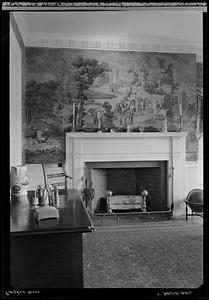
(149,32)
(194,170)
(200,163)
(16,142)
(149,146)
(179,25)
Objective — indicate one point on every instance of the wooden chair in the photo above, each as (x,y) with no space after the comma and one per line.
(45,174)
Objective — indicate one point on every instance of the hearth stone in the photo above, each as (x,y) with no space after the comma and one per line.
(100,219)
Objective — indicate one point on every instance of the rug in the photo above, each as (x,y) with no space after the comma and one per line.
(167,257)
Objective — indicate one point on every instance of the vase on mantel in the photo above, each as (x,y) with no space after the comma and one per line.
(19,180)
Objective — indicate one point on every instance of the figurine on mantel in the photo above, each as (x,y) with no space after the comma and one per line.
(180,113)
(99,117)
(165,125)
(73,116)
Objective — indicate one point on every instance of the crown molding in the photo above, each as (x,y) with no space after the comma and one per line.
(22,25)
(102,38)
(54,40)
(122,43)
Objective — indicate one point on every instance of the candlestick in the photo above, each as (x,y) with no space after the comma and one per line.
(181,122)
(165,124)
(180,109)
(99,115)
(154,108)
(73,116)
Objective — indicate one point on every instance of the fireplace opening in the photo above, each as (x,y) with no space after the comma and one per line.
(129,179)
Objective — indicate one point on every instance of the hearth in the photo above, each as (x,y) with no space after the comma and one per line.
(129,178)
(129,162)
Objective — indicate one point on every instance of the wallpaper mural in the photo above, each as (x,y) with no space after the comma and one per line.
(90,90)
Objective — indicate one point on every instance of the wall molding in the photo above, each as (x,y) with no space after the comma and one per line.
(55,40)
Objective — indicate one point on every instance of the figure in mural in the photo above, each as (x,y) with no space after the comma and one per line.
(40,136)
(33,133)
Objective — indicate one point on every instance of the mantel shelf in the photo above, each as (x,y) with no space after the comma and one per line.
(84,135)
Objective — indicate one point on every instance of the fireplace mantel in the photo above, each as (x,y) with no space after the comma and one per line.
(84,147)
(102,135)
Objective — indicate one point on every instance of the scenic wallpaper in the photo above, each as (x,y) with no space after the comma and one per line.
(91,90)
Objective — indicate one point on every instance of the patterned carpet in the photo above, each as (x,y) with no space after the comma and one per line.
(169,257)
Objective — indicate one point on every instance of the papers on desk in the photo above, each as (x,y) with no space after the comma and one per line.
(46,212)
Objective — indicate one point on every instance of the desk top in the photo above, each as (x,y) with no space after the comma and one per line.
(73,217)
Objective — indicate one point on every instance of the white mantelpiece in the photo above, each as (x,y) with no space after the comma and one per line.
(150,146)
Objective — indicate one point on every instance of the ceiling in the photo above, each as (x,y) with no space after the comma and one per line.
(171,25)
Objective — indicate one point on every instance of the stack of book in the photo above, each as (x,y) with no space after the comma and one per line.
(46,212)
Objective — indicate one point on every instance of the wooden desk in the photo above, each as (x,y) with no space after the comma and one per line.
(51,257)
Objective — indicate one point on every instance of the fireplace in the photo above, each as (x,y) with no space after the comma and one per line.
(129,178)
(126,163)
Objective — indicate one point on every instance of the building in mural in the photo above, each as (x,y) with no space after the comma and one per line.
(77,89)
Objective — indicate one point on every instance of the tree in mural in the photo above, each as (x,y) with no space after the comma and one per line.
(39,98)
(66,91)
(63,84)
(145,71)
(86,70)
(171,98)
